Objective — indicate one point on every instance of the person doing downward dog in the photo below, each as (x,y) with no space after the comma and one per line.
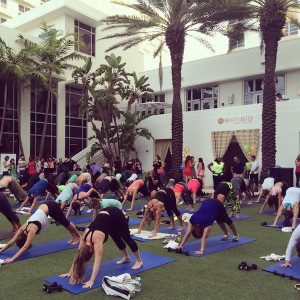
(266,186)
(39,222)
(275,196)
(164,198)
(15,188)
(100,204)
(135,187)
(6,210)
(290,203)
(195,185)
(110,221)
(67,194)
(294,242)
(202,220)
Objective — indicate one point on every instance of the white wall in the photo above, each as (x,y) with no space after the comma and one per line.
(198,126)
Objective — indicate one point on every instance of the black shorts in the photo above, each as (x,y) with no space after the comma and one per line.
(222,213)
(114,185)
(222,189)
(103,186)
(56,213)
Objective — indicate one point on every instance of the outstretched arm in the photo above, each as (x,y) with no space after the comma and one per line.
(279,213)
(265,204)
(13,240)
(186,236)
(296,213)
(203,240)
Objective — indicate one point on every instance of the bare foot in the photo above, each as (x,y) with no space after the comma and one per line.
(256,201)
(237,215)
(171,226)
(138,264)
(230,215)
(124,260)
(129,209)
(249,203)
(180,228)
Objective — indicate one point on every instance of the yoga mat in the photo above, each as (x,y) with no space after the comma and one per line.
(294,271)
(170,231)
(280,224)
(143,236)
(39,250)
(132,221)
(135,207)
(215,244)
(6,235)
(110,268)
(267,213)
(242,217)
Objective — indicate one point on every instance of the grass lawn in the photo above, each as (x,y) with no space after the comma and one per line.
(214,276)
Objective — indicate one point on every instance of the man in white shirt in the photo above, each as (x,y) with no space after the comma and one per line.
(254,173)
(22,165)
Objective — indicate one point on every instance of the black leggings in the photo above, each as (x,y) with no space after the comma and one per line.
(121,235)
(56,213)
(169,203)
(6,210)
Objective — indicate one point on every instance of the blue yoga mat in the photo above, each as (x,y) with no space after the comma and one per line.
(110,268)
(39,250)
(135,206)
(267,213)
(280,224)
(88,219)
(294,271)
(242,217)
(214,244)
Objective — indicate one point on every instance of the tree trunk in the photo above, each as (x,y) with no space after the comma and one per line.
(42,145)
(21,148)
(177,122)
(269,106)
(3,112)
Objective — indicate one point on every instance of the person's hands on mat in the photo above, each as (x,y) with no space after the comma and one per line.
(66,275)
(287,264)
(152,235)
(199,252)
(8,260)
(88,284)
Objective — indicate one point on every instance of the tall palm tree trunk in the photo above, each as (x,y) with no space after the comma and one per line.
(269,106)
(42,145)
(21,148)
(3,112)
(177,122)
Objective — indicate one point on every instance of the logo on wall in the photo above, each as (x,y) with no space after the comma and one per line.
(236,120)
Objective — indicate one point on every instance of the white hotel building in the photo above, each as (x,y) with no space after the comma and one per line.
(221,94)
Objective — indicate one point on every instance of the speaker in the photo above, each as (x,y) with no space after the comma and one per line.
(283,174)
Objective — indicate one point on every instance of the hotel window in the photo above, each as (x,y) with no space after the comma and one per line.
(152,110)
(37,120)
(23,9)
(202,98)
(87,38)
(76,127)
(3,3)
(10,139)
(254,89)
(290,29)
(2,20)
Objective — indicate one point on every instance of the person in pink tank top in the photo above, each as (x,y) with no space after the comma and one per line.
(135,187)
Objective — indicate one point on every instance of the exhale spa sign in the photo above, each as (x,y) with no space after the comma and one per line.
(244,119)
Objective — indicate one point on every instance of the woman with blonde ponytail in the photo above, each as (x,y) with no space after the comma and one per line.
(110,221)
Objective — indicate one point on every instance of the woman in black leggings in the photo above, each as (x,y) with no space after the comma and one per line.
(164,198)
(6,210)
(39,222)
(110,221)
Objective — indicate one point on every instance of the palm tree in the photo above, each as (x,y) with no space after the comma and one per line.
(51,57)
(272,16)
(169,22)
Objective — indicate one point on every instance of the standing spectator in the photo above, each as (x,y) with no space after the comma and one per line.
(12,167)
(187,171)
(157,163)
(217,167)
(5,166)
(200,168)
(138,168)
(128,169)
(193,167)
(22,165)
(72,164)
(238,168)
(254,173)
(106,166)
(31,167)
(38,165)
(297,163)
(118,165)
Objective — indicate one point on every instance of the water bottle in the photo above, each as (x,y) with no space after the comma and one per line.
(178,238)
(138,285)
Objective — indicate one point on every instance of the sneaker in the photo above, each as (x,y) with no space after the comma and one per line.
(226,236)
(235,238)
